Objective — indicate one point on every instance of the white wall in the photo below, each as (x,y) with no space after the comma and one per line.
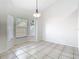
(78,27)
(60,23)
(3,26)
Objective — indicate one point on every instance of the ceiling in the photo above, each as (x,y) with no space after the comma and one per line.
(30,4)
(27,7)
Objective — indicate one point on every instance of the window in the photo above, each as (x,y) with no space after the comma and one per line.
(21,27)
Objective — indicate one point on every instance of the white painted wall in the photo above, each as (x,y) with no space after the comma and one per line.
(78,28)
(3,26)
(60,23)
(4,38)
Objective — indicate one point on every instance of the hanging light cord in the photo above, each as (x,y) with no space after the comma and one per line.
(36,14)
(36,6)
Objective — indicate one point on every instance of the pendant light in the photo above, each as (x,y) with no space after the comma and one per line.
(36,14)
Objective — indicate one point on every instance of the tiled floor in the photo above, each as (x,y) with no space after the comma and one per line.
(41,50)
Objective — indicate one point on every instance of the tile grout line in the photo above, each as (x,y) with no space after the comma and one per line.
(36,46)
(61,52)
(40,50)
(43,48)
(14,52)
(51,50)
(0,57)
(27,52)
(73,53)
(29,45)
(15,55)
(35,53)
(33,48)
(8,50)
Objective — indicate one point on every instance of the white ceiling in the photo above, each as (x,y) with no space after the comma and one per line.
(30,4)
(27,7)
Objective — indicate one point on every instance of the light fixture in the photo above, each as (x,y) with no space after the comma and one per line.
(36,14)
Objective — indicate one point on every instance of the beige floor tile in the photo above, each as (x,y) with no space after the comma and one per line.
(18,52)
(47,57)
(35,48)
(68,51)
(59,47)
(65,57)
(9,56)
(54,54)
(41,50)
(42,53)
(31,57)
(76,57)
(68,54)
(33,51)
(76,51)
(23,56)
